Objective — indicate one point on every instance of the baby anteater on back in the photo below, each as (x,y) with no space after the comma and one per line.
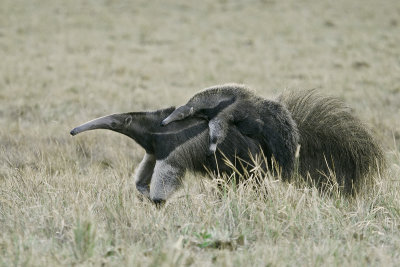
(333,143)
(235,105)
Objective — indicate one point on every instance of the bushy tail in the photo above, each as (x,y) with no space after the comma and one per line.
(333,141)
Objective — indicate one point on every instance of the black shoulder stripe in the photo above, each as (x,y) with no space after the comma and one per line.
(212,112)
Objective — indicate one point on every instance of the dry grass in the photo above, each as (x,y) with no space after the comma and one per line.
(67,201)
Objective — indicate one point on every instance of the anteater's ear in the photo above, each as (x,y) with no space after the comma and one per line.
(128,120)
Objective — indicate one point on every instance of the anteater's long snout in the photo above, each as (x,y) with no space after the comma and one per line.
(106,122)
(82,128)
(73,132)
(166,121)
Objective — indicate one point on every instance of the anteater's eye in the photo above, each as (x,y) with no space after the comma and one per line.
(113,124)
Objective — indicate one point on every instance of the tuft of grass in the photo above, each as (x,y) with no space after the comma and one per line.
(84,240)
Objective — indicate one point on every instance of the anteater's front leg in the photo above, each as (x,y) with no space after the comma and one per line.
(143,174)
(166,179)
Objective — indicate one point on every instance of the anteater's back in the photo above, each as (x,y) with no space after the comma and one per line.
(332,140)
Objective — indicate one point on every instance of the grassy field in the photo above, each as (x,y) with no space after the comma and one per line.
(72,201)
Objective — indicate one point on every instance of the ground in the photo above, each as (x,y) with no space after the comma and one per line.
(72,201)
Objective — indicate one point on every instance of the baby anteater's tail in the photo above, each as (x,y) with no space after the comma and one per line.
(333,141)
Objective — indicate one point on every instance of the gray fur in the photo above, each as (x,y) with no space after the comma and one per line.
(333,140)
(166,179)
(229,105)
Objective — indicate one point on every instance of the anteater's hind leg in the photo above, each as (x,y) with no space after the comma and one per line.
(144,173)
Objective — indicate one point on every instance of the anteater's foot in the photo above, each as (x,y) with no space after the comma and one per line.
(159,202)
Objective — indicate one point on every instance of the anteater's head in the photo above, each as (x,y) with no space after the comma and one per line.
(114,122)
